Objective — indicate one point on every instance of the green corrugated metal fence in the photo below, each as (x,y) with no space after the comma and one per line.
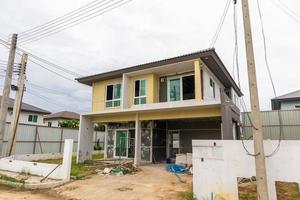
(271,126)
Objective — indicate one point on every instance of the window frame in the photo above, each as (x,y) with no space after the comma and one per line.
(32,116)
(140,89)
(212,84)
(180,84)
(113,99)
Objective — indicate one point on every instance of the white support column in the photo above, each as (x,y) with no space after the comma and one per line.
(85,139)
(105,141)
(125,91)
(67,159)
(137,148)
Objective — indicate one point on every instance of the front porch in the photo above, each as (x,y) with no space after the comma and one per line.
(152,133)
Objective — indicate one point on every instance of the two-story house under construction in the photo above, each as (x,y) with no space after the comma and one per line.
(153,111)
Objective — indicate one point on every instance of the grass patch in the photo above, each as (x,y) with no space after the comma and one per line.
(284,190)
(78,171)
(187,195)
(10,179)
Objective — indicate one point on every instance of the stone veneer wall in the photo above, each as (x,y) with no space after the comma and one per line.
(146,138)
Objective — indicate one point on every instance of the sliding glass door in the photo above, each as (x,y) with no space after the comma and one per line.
(121,143)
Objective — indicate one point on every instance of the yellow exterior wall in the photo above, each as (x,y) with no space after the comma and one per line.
(151,88)
(99,94)
(198,81)
(161,115)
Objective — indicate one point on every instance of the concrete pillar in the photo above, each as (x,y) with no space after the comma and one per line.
(198,81)
(85,139)
(125,91)
(137,147)
(67,159)
(105,141)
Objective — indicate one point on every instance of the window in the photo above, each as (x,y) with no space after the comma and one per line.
(113,95)
(188,87)
(49,124)
(297,106)
(181,88)
(174,90)
(140,92)
(32,118)
(212,85)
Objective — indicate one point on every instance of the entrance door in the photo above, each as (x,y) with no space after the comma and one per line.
(121,143)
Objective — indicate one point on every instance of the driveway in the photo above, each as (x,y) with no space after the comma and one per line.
(152,183)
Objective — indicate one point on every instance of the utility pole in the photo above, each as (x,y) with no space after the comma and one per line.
(260,164)
(6,88)
(17,106)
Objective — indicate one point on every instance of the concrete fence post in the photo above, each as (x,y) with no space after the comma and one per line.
(67,159)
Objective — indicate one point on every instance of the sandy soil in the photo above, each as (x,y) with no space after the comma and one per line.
(152,183)
(7,193)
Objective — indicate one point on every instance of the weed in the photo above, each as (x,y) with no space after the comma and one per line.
(187,195)
(10,179)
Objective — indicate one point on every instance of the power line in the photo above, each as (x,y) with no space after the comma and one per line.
(47,62)
(58,74)
(236,47)
(286,10)
(53,91)
(265,48)
(45,99)
(76,22)
(289,9)
(60,22)
(58,19)
(220,25)
(271,78)
(50,63)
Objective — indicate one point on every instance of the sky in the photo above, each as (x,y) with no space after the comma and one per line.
(143,31)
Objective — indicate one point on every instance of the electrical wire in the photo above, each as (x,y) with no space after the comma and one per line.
(289,12)
(47,62)
(271,79)
(236,47)
(78,21)
(220,25)
(53,91)
(50,63)
(44,98)
(289,9)
(59,22)
(58,74)
(58,19)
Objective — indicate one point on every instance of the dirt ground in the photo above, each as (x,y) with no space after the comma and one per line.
(152,183)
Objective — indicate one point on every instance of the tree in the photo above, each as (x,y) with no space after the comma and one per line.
(69,124)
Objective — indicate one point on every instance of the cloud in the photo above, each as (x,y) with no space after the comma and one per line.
(143,31)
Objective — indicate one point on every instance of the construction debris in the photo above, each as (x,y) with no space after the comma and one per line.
(122,169)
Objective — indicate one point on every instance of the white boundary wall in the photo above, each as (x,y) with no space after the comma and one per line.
(218,163)
(42,169)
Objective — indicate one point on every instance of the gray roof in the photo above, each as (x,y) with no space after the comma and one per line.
(26,107)
(291,95)
(63,115)
(208,56)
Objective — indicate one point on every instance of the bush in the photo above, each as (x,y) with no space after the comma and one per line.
(99,127)
(69,124)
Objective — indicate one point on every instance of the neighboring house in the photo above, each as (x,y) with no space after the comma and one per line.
(53,120)
(28,115)
(287,101)
(153,111)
